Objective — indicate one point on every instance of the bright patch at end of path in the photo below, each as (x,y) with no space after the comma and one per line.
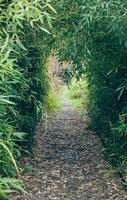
(70,163)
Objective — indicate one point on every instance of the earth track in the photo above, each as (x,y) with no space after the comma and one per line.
(70,162)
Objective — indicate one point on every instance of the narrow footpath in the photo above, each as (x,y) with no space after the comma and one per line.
(70,163)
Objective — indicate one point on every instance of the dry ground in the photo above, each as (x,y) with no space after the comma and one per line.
(70,163)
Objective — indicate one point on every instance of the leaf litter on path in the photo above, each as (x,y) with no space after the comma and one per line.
(70,162)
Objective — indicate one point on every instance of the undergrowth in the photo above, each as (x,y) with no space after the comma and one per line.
(24,81)
(78,92)
(53,102)
(93,42)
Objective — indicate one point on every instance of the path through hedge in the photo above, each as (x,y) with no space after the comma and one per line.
(70,163)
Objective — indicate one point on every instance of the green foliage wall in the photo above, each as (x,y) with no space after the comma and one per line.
(91,36)
(24,81)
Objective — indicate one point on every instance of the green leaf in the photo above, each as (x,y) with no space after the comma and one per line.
(51,7)
(45,30)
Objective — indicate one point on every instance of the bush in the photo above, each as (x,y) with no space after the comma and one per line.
(24,81)
(78,92)
(93,41)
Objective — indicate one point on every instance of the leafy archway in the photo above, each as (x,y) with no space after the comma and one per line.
(91,36)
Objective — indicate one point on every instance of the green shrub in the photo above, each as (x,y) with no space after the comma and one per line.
(78,92)
(93,41)
(9,185)
(53,102)
(24,81)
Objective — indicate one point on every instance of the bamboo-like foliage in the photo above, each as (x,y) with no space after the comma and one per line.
(89,35)
(93,38)
(23,77)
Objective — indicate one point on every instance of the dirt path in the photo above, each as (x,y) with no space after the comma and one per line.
(70,163)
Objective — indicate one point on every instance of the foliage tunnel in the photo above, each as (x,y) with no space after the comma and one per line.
(92,37)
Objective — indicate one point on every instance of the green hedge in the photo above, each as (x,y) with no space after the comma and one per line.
(92,37)
(24,83)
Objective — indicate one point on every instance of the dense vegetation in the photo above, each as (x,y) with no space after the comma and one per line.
(24,80)
(94,40)
(91,37)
